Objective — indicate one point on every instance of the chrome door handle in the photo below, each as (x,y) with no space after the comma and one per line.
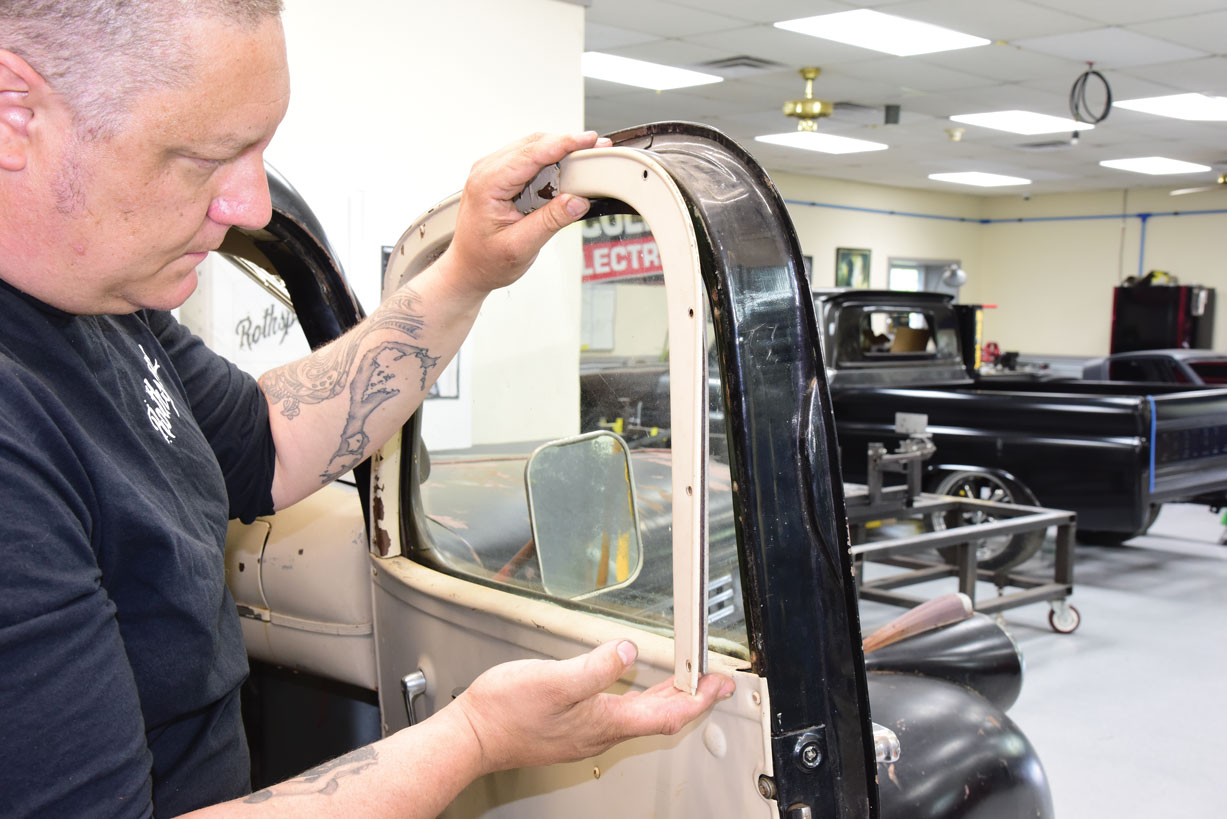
(412,686)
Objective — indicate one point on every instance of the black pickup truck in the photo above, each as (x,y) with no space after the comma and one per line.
(1113,452)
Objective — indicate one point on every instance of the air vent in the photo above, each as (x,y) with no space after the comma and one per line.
(740,65)
(855,112)
(1049,145)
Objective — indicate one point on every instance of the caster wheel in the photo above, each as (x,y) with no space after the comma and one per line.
(1064,618)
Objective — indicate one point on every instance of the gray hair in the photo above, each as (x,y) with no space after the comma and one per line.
(100,54)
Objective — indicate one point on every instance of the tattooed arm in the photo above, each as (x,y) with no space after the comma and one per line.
(531,712)
(330,410)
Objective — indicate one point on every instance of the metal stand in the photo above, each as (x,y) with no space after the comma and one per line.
(870,503)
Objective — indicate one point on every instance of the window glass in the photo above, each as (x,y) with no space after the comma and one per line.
(1130,369)
(244,313)
(1211,372)
(904,278)
(883,333)
(474,497)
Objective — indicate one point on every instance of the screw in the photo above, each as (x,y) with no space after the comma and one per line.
(766,787)
(808,751)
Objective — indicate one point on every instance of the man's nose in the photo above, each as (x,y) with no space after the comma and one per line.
(243,199)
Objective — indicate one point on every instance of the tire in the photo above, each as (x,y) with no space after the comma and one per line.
(1096,537)
(998,553)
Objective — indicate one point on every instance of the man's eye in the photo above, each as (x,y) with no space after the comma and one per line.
(205,163)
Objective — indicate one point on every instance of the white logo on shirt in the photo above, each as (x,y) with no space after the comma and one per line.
(159,403)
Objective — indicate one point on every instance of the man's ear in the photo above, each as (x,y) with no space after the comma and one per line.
(17,108)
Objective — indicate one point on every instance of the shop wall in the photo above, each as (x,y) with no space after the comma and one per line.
(391,105)
(821,230)
(1051,280)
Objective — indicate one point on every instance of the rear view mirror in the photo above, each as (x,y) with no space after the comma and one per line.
(581,504)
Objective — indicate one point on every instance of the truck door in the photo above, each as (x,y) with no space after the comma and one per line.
(741,562)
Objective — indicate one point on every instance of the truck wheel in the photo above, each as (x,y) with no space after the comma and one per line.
(998,553)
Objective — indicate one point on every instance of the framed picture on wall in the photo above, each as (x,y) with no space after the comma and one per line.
(851,267)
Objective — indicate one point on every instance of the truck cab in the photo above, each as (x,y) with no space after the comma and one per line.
(440,561)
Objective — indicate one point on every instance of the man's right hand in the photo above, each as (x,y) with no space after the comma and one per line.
(537,712)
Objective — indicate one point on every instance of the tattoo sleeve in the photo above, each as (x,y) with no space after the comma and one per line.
(370,378)
(322,780)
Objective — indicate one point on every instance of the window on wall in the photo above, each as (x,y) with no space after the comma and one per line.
(905,277)
(915,275)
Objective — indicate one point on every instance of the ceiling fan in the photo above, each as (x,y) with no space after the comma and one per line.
(808,110)
(1219,184)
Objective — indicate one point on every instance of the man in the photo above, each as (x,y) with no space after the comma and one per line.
(131,139)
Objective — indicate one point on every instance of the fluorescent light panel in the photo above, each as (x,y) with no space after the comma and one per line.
(882,32)
(601,66)
(979,179)
(823,143)
(1193,107)
(1154,165)
(1023,122)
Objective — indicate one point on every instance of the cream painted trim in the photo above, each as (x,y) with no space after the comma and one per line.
(635,177)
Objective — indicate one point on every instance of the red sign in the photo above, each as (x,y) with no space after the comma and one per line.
(625,258)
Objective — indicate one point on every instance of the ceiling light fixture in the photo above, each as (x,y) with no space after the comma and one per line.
(979,179)
(1154,165)
(1023,122)
(1192,107)
(642,74)
(882,32)
(823,143)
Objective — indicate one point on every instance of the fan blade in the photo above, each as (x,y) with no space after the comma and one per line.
(1183,191)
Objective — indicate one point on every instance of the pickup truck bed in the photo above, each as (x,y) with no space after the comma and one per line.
(1110,451)
(1106,455)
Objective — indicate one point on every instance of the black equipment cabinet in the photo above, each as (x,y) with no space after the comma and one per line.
(1162,317)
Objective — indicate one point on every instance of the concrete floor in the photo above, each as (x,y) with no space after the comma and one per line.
(1128,713)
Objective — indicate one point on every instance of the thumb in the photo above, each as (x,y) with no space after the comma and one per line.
(561,211)
(589,674)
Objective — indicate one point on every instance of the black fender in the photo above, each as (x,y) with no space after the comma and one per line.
(975,653)
(962,757)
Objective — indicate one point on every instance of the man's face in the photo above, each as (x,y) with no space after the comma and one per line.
(124,221)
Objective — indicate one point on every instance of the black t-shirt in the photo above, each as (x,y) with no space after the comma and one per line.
(125,445)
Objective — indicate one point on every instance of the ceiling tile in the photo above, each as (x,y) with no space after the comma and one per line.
(995,19)
(657,18)
(1110,48)
(1006,62)
(783,46)
(765,11)
(1207,32)
(679,53)
(601,38)
(917,74)
(1206,76)
(1121,12)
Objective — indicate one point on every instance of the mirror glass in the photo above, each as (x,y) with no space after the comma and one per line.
(582,511)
